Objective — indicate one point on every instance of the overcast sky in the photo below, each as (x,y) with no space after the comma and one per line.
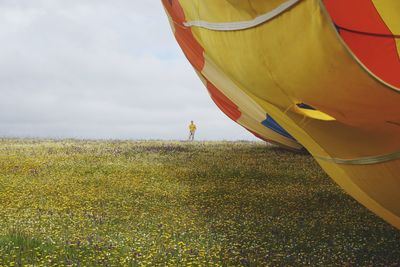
(99,69)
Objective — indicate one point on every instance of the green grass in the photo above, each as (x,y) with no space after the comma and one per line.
(91,203)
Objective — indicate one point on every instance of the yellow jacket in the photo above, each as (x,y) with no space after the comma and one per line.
(192,127)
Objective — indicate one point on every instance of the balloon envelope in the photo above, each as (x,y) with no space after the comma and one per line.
(320,74)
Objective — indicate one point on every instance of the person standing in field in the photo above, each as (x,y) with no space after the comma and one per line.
(192,130)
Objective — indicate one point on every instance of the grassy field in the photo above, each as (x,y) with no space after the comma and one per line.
(90,203)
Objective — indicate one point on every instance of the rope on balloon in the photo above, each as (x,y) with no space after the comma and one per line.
(242,25)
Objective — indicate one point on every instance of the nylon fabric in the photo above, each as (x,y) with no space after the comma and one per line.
(367,34)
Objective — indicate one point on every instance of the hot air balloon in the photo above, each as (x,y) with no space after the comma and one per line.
(323,75)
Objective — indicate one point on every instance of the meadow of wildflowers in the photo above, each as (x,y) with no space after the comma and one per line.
(150,203)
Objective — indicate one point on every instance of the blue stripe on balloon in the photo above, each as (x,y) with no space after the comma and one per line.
(273,125)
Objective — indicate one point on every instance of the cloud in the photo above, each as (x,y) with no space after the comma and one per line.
(99,69)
